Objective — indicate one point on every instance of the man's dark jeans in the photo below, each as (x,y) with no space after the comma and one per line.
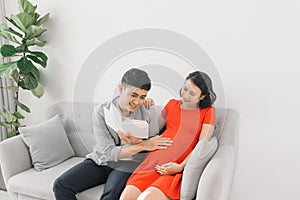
(88,174)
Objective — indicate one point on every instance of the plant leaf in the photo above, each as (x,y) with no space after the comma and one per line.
(12,21)
(38,91)
(4,124)
(3,114)
(7,68)
(9,37)
(38,60)
(11,118)
(15,75)
(42,19)
(35,72)
(18,23)
(40,55)
(36,16)
(30,82)
(7,111)
(22,84)
(34,31)
(26,6)
(17,124)
(23,20)
(20,49)
(18,115)
(10,134)
(8,50)
(15,88)
(4,27)
(22,106)
(36,41)
(24,65)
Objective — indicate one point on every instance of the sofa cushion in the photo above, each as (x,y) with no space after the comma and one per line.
(48,143)
(196,163)
(39,184)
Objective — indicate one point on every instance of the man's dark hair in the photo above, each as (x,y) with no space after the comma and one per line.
(137,78)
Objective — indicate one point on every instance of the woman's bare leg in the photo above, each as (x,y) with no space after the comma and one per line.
(152,193)
(130,193)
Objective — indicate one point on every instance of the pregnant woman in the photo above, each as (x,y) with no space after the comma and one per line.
(187,121)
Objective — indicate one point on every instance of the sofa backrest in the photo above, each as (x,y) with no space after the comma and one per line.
(77,120)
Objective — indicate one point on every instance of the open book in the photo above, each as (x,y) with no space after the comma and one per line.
(113,118)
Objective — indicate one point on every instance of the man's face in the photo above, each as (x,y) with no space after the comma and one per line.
(131,97)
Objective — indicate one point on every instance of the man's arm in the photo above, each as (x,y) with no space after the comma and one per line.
(161,121)
(156,142)
(154,125)
(106,148)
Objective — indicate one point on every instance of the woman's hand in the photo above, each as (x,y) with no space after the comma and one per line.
(148,103)
(129,138)
(169,168)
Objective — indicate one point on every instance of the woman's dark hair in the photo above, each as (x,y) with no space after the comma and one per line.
(137,78)
(202,81)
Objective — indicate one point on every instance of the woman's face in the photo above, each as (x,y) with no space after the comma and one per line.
(190,94)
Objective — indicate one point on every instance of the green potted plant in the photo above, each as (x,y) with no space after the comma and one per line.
(21,63)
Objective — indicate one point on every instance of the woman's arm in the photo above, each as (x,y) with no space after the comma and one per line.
(172,167)
(207,131)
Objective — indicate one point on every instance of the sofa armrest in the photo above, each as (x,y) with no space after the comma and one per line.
(14,157)
(216,180)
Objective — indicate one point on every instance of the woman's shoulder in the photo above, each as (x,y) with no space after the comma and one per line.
(173,102)
(208,109)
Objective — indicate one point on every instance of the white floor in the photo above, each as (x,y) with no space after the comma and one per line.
(4,196)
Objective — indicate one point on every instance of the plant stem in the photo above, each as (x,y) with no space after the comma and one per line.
(15,129)
(17,98)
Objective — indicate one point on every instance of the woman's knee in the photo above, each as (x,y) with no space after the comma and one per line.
(130,193)
(152,193)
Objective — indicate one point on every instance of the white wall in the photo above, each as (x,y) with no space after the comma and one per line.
(254,44)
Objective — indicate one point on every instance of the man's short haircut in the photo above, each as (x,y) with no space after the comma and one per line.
(137,78)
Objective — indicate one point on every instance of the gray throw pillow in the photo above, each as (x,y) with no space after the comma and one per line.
(195,165)
(48,143)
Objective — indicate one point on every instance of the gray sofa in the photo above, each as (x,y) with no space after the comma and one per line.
(24,182)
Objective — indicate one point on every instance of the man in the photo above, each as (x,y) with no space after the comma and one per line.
(112,160)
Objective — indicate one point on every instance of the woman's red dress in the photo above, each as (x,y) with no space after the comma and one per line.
(183,127)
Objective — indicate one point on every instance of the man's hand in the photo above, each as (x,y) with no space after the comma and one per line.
(129,138)
(169,168)
(148,103)
(153,143)
(156,142)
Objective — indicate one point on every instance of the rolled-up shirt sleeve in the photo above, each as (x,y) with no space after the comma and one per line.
(106,149)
